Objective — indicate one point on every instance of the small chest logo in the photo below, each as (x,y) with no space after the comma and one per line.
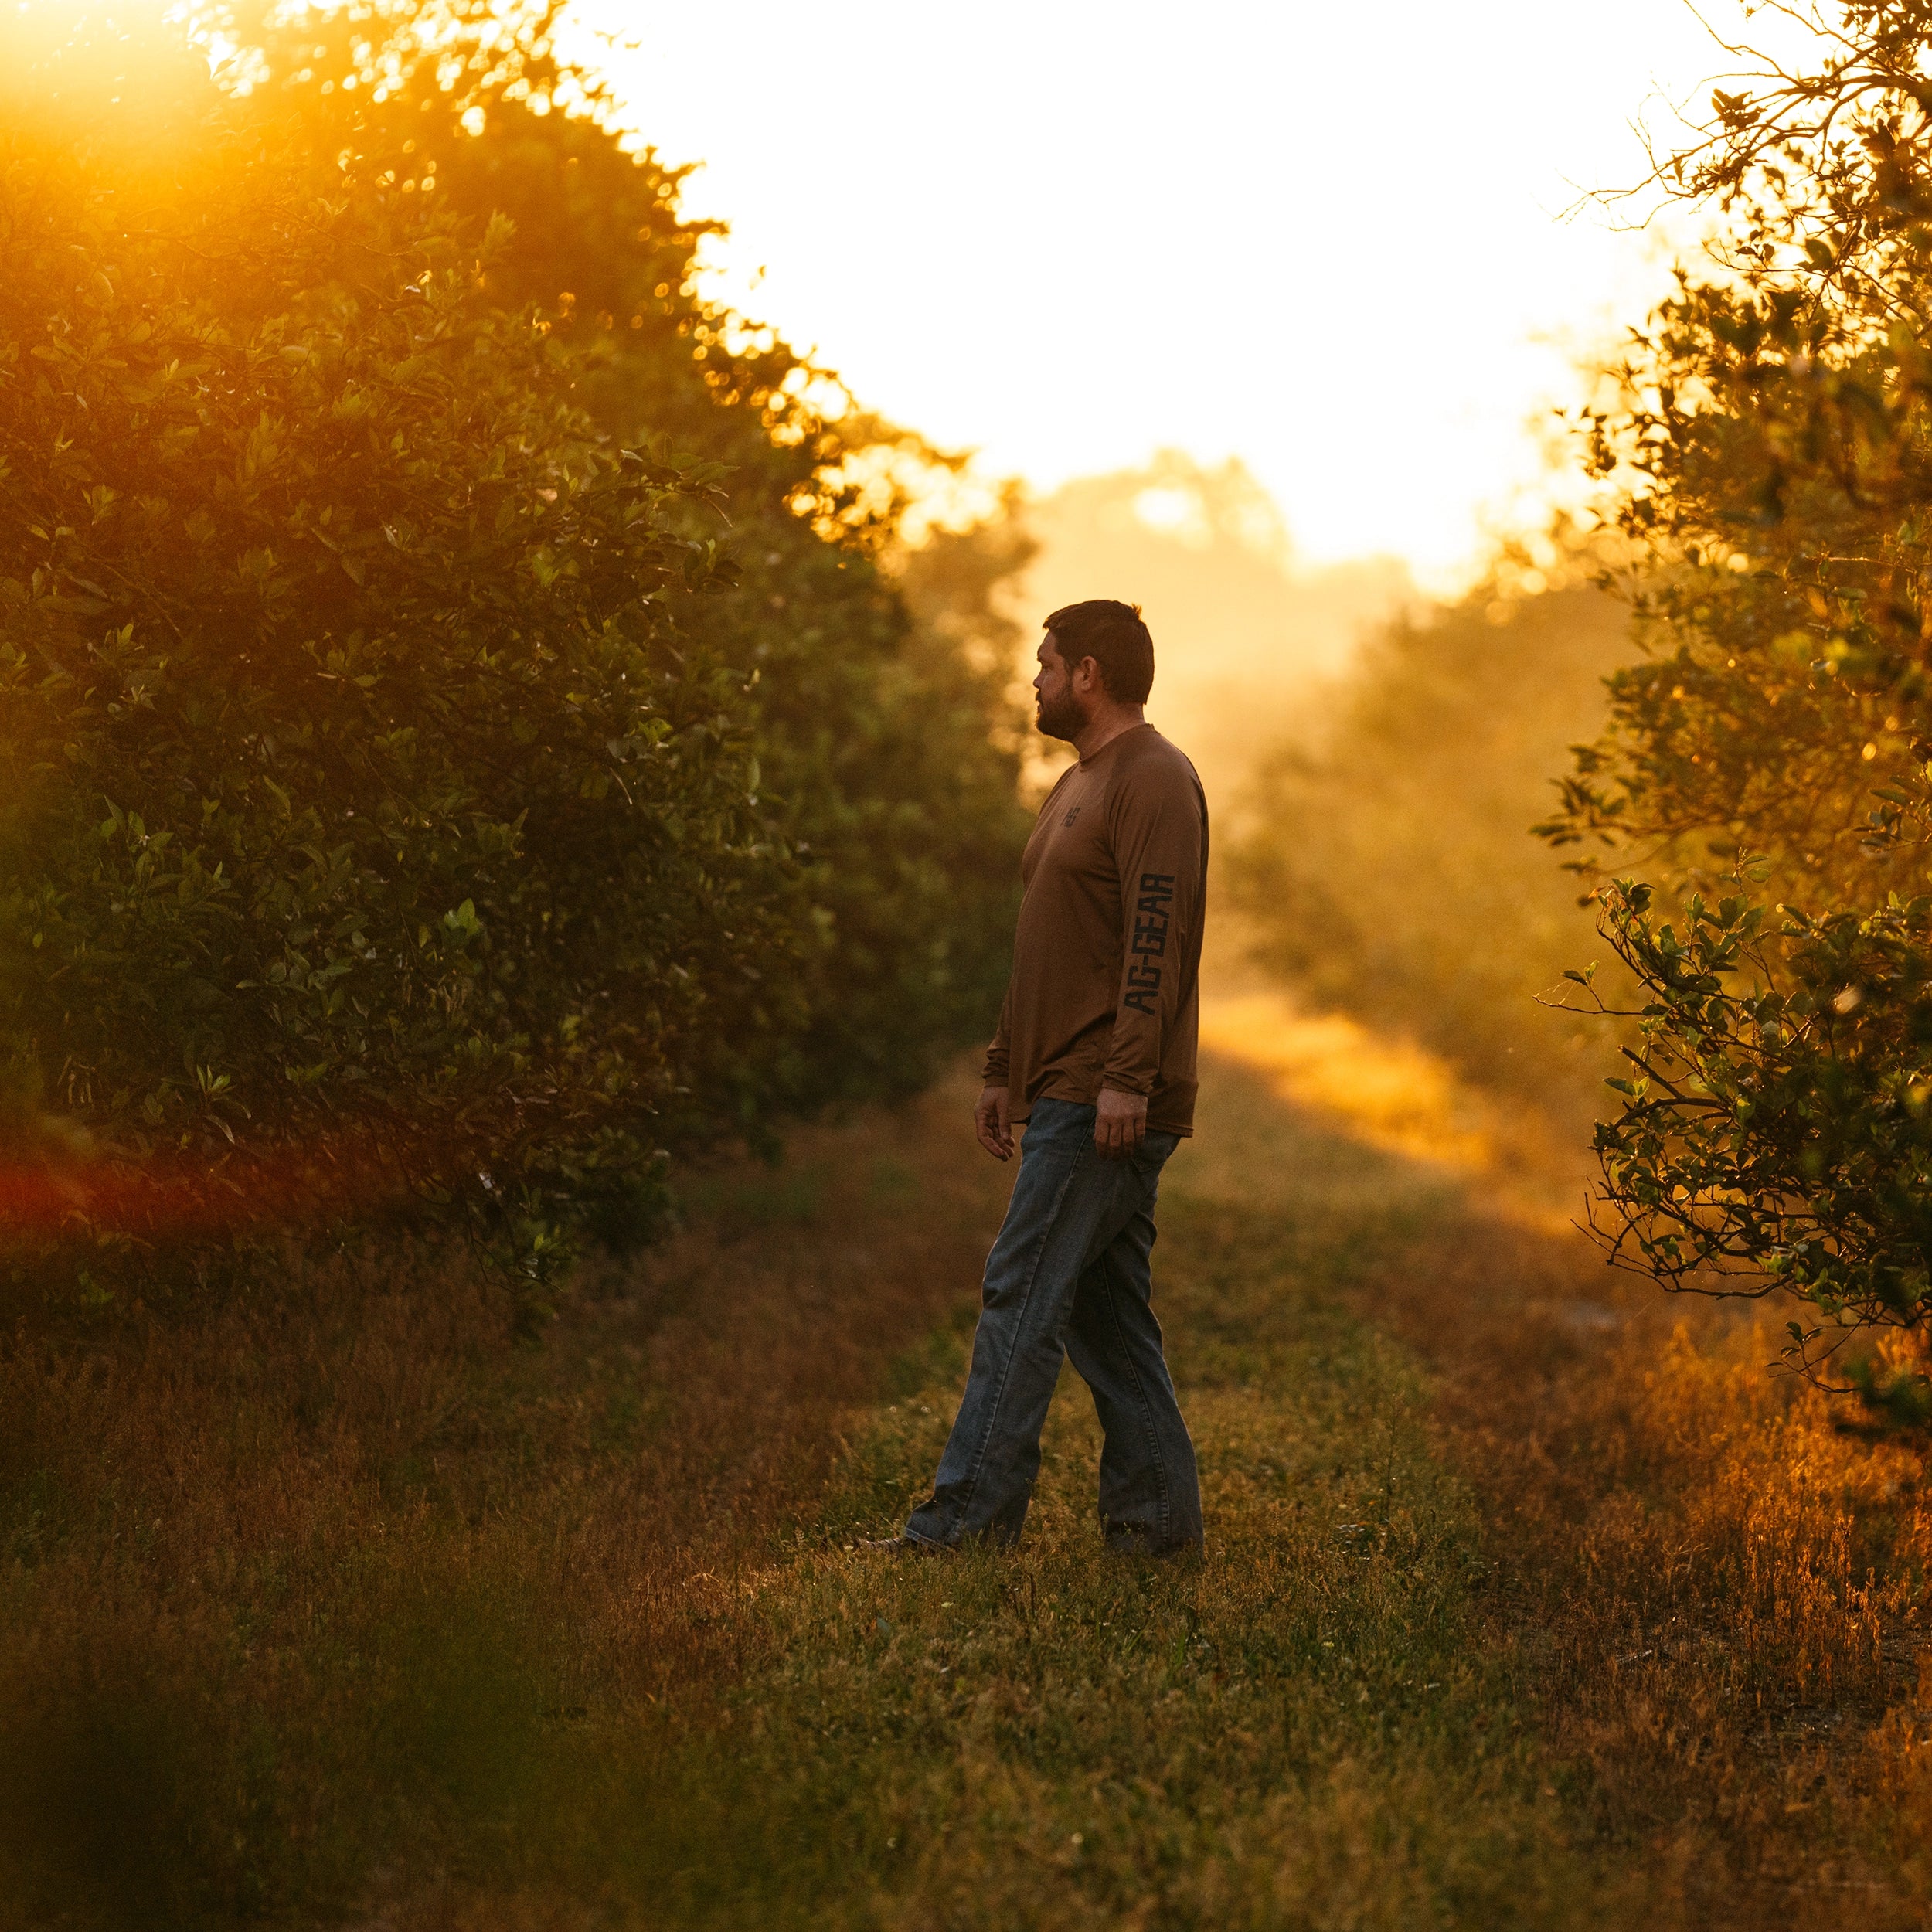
(1071,816)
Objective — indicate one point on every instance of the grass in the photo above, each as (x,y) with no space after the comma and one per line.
(1058,1739)
(1527,1604)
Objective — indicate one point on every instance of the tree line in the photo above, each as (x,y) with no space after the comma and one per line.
(469,726)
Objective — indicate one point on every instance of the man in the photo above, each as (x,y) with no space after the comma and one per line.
(1095,1053)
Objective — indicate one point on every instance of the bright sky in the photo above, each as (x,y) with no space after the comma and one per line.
(1324,238)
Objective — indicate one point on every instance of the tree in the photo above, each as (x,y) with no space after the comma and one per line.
(885,766)
(391,712)
(1769,765)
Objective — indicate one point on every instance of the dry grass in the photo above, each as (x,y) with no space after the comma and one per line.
(1528,1604)
(1710,1584)
(339,1574)
(1715,1589)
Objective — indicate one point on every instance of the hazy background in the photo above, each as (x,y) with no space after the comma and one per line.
(1248,623)
(1326,240)
(1267,306)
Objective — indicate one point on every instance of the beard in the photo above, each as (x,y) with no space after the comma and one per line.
(1060,717)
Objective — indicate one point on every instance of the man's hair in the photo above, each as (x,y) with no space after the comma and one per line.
(1113,635)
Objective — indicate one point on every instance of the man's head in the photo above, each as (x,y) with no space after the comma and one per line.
(1094,654)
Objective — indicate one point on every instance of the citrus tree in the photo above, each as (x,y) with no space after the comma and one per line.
(1759,811)
(450,753)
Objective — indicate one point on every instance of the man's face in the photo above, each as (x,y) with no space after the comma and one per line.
(1057,710)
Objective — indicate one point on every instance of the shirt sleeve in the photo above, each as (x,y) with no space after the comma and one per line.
(1158,828)
(999,1055)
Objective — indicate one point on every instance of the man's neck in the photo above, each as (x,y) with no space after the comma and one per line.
(1104,726)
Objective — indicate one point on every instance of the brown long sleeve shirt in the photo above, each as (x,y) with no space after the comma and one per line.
(1106,960)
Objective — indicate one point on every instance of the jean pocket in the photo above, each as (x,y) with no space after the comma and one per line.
(1152,1158)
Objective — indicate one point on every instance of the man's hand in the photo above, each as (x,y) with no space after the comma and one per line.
(1120,1124)
(992,1124)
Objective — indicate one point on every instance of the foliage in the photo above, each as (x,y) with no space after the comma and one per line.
(414,787)
(360,771)
(872,718)
(1765,445)
(1381,862)
(1776,1117)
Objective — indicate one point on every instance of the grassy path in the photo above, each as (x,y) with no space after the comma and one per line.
(1503,1573)
(1521,1609)
(1311,1730)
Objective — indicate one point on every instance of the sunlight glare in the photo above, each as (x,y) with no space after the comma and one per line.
(1330,241)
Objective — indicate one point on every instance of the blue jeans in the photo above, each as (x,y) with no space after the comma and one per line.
(1070,1276)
